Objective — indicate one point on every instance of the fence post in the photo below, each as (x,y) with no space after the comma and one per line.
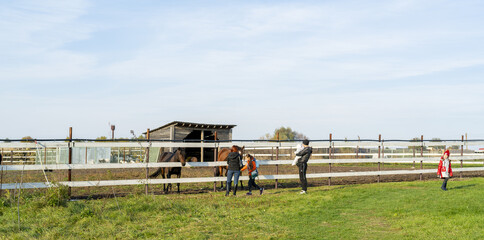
(215,156)
(1,174)
(147,161)
(277,158)
(202,138)
(329,156)
(379,152)
(413,147)
(383,152)
(69,172)
(462,155)
(421,155)
(358,148)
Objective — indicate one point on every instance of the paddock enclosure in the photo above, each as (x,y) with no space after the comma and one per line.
(91,167)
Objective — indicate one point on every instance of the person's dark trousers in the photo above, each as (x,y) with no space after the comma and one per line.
(231,173)
(302,175)
(444,184)
(252,184)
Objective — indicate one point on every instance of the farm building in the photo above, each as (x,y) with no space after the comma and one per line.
(187,131)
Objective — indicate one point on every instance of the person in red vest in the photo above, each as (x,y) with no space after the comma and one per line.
(445,170)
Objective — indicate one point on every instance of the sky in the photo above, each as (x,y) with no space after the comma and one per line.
(351,68)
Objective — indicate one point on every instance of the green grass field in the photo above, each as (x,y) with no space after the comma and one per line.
(404,210)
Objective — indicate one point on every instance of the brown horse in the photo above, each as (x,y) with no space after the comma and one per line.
(222,157)
(176,156)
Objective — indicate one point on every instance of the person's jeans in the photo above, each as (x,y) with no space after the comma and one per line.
(444,184)
(302,175)
(236,175)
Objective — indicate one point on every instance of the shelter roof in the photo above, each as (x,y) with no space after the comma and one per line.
(195,125)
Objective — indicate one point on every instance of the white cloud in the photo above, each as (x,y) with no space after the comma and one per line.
(285,64)
(35,33)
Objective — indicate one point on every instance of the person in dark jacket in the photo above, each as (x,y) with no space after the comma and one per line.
(302,164)
(234,164)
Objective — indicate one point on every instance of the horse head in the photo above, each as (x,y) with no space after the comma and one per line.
(179,157)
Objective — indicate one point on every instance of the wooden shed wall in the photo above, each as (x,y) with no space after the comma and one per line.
(161,134)
(181,133)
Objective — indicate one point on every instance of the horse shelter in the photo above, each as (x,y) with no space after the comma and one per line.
(193,132)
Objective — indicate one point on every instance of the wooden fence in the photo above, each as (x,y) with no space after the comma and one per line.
(463,159)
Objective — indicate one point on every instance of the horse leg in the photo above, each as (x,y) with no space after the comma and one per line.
(178,184)
(221,173)
(163,175)
(168,176)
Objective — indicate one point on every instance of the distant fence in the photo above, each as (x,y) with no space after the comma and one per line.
(380,154)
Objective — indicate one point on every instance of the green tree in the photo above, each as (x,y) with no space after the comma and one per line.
(27,138)
(140,137)
(437,147)
(285,133)
(102,138)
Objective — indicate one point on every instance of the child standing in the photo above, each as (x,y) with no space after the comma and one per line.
(445,170)
(251,166)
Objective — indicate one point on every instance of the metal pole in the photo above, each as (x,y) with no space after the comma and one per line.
(147,160)
(69,172)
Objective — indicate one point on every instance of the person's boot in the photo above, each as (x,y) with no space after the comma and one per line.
(444,186)
(235,189)
(228,190)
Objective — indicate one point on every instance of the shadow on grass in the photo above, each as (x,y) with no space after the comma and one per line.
(464,186)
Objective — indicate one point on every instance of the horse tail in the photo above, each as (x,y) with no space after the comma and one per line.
(156,174)
(217,171)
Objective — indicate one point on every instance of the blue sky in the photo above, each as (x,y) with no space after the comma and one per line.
(351,68)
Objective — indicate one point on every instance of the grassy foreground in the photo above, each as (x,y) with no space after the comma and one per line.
(406,210)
